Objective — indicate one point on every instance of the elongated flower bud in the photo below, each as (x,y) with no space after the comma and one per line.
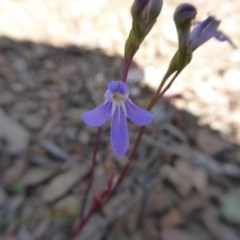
(184,14)
(145,11)
(144,15)
(183,17)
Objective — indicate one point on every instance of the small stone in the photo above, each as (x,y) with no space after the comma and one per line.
(36,175)
(16,136)
(34,121)
(180,180)
(61,184)
(17,87)
(209,143)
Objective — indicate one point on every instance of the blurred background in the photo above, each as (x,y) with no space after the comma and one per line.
(56,57)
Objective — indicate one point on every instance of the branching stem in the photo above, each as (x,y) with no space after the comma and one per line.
(94,208)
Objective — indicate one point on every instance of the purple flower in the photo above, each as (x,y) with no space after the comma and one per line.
(206,30)
(118,106)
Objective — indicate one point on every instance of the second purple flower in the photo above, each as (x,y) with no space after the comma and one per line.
(119,106)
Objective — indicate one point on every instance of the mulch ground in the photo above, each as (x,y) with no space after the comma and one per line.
(185,183)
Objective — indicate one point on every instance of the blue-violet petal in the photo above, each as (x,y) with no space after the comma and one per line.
(119,132)
(119,87)
(138,115)
(99,115)
(204,31)
(220,36)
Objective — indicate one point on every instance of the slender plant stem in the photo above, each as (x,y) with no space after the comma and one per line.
(168,85)
(157,96)
(84,219)
(92,211)
(92,172)
(77,230)
(126,65)
(126,167)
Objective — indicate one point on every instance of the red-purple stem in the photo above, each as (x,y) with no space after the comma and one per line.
(95,207)
(77,230)
(92,172)
(126,167)
(126,65)
(84,219)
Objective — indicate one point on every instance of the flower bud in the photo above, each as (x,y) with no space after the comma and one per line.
(145,11)
(188,40)
(184,14)
(138,7)
(154,8)
(183,17)
(144,16)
